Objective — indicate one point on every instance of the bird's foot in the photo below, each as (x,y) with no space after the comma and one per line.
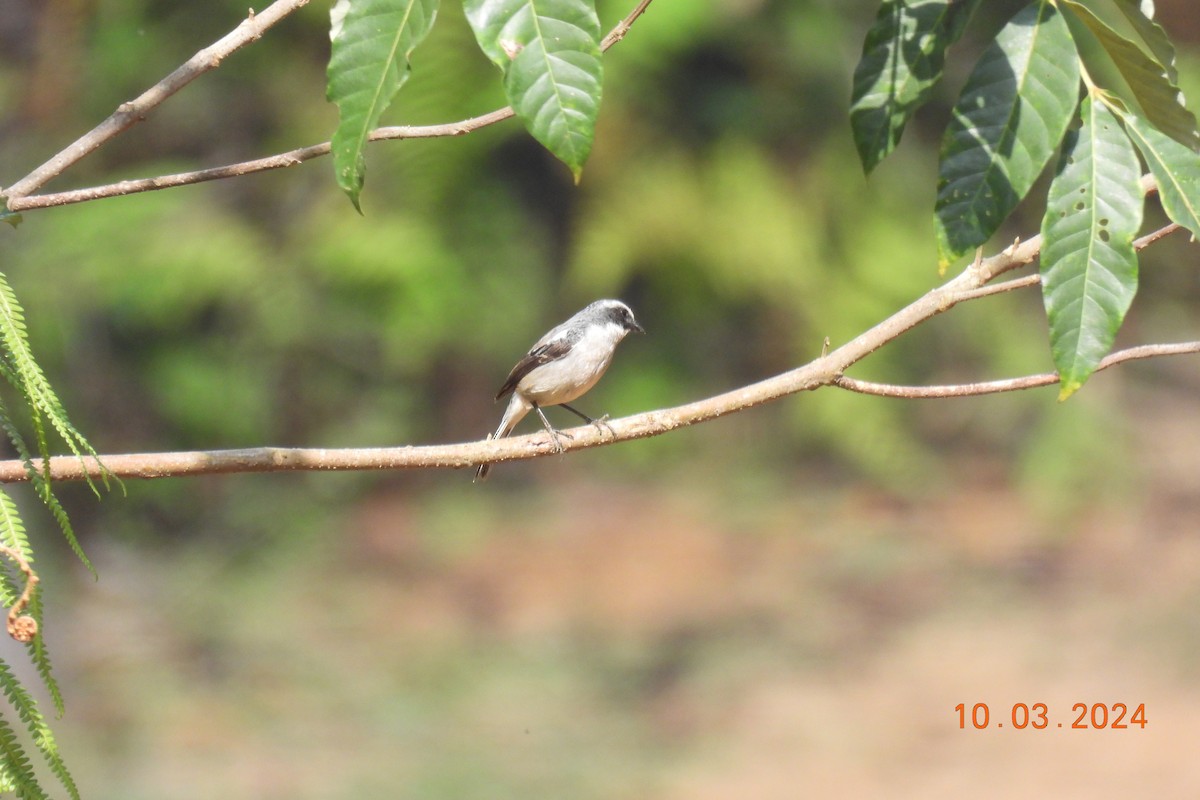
(554,435)
(602,425)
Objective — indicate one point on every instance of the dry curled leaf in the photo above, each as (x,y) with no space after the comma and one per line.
(22,628)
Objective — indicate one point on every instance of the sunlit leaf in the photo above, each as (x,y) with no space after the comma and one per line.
(372,41)
(549,52)
(1175,168)
(1088,263)
(1011,116)
(901,63)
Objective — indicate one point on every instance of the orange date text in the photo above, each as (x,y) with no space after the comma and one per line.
(1039,716)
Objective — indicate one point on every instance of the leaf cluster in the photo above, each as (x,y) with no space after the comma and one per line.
(1094,80)
(548,52)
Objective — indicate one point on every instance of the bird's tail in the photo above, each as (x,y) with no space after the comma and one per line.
(518,407)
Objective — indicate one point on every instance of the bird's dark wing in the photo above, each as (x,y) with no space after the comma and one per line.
(542,354)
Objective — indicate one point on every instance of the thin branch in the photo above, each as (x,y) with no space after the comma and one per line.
(1009,384)
(622,28)
(21,200)
(827,370)
(130,113)
(1154,236)
(1001,288)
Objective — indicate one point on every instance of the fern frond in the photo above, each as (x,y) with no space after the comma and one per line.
(15,769)
(39,482)
(12,534)
(40,656)
(39,731)
(64,524)
(34,384)
(12,529)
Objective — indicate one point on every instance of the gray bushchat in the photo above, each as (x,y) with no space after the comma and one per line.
(563,365)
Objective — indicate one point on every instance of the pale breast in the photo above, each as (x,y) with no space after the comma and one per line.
(569,377)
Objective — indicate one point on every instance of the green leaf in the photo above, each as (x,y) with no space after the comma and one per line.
(13,218)
(1139,15)
(372,41)
(1011,116)
(901,62)
(1131,70)
(549,52)
(1088,263)
(1176,170)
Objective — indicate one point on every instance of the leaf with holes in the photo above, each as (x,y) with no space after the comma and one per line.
(1009,119)
(1175,168)
(901,62)
(372,41)
(1089,265)
(1119,59)
(549,52)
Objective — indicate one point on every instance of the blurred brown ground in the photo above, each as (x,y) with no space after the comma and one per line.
(681,642)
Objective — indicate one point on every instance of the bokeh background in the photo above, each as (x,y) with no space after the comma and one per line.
(787,602)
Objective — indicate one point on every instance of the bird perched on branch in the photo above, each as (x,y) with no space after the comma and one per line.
(562,366)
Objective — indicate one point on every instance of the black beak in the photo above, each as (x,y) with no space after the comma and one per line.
(633,326)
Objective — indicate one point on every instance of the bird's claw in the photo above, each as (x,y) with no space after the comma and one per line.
(601,424)
(558,445)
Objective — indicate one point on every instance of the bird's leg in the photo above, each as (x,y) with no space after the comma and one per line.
(600,423)
(550,429)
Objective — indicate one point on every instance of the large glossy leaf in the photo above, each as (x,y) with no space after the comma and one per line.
(549,52)
(1088,263)
(1176,169)
(1009,119)
(1127,65)
(372,41)
(901,62)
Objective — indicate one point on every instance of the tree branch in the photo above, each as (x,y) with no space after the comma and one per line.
(130,113)
(622,28)
(827,370)
(1010,384)
(20,199)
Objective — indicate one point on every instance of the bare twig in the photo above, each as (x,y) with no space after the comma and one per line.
(622,28)
(1154,236)
(134,111)
(19,198)
(824,371)
(1010,384)
(1000,288)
